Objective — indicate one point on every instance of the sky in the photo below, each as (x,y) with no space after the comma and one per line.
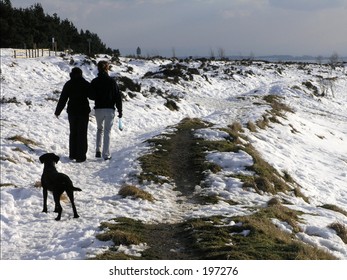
(205,27)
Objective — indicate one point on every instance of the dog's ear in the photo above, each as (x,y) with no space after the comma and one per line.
(42,158)
(56,158)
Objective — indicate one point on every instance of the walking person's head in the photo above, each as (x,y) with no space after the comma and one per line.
(75,73)
(103,66)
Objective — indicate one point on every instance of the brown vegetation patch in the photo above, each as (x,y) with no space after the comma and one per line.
(135,192)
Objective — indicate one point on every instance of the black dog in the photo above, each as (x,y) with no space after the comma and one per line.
(57,183)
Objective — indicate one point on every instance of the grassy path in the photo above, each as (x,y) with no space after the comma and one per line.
(180,156)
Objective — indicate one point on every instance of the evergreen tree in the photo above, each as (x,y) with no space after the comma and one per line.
(31,27)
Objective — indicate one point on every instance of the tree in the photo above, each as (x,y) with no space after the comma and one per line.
(212,55)
(173,53)
(221,53)
(5,26)
(29,27)
(334,60)
(138,51)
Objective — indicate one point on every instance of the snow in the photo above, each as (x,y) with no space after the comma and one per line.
(233,163)
(310,144)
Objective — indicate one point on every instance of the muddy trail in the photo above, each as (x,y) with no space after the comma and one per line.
(170,240)
(182,159)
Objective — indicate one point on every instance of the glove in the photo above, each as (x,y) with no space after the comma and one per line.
(120,114)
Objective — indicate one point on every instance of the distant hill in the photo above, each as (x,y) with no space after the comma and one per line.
(32,28)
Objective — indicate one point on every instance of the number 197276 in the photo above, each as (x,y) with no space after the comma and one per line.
(220,270)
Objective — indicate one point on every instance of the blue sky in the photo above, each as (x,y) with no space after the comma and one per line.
(199,27)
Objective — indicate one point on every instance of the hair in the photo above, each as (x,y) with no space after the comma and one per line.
(75,72)
(103,66)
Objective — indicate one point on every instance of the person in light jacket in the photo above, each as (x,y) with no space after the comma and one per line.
(106,95)
(75,92)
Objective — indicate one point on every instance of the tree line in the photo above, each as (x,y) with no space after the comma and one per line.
(32,28)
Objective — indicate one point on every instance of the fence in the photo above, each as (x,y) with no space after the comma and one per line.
(31,53)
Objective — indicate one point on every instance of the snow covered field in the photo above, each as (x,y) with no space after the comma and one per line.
(309,144)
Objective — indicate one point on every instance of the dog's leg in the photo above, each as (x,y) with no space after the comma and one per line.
(58,207)
(72,200)
(45,193)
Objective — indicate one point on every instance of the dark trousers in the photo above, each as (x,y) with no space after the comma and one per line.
(78,141)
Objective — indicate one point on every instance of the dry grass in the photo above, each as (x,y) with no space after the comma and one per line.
(251,126)
(8,159)
(274,201)
(278,110)
(267,179)
(122,231)
(132,191)
(263,123)
(341,230)
(119,237)
(27,142)
(299,193)
(7,185)
(264,241)
(235,129)
(334,208)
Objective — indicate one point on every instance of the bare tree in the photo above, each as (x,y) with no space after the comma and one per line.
(212,55)
(221,53)
(334,60)
(173,53)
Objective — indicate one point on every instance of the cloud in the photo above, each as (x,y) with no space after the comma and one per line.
(308,5)
(193,27)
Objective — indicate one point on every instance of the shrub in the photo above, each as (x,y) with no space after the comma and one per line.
(127,83)
(171,105)
(311,87)
(5,100)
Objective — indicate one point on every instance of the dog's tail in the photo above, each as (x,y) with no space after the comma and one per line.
(76,189)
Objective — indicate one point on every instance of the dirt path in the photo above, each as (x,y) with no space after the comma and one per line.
(183,160)
(185,171)
(169,241)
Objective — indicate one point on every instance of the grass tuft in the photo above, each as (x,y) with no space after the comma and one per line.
(135,192)
(251,126)
(8,159)
(334,208)
(341,230)
(27,142)
(125,231)
(268,179)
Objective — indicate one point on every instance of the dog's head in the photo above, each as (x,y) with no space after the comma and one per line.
(49,158)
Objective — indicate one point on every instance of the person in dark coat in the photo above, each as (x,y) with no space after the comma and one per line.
(107,97)
(75,93)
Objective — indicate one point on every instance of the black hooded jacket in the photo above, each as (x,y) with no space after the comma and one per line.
(106,93)
(76,91)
